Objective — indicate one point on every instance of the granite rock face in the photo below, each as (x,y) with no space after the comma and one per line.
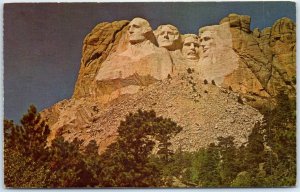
(240,22)
(97,46)
(197,80)
(283,49)
(278,43)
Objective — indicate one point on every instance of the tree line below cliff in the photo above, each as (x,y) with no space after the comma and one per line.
(268,159)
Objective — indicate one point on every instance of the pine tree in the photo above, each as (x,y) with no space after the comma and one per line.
(25,151)
(281,138)
(126,163)
(209,175)
(228,165)
(35,135)
(250,157)
(66,164)
(92,163)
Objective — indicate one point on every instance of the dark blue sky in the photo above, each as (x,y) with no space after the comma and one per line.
(43,42)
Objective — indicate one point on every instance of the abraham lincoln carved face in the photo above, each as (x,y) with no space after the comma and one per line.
(207,41)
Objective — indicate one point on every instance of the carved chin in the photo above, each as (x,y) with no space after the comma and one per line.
(192,56)
(136,39)
(165,44)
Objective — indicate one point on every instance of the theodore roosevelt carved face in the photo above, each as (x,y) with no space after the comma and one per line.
(137,30)
(190,47)
(168,36)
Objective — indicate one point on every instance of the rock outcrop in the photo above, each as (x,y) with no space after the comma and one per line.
(278,43)
(97,46)
(206,82)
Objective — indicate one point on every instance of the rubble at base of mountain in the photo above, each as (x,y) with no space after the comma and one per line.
(205,111)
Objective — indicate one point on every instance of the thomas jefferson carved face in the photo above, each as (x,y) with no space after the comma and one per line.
(137,30)
(168,36)
(207,41)
(190,48)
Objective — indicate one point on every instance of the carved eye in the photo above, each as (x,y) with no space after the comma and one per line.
(135,26)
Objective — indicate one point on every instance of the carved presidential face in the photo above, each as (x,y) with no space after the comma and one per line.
(137,30)
(190,48)
(207,41)
(167,36)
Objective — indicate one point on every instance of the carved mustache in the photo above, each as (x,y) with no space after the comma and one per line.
(192,52)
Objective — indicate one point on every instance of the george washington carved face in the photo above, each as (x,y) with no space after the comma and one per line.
(137,30)
(190,47)
(168,36)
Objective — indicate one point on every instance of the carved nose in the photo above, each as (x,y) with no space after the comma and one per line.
(130,30)
(203,44)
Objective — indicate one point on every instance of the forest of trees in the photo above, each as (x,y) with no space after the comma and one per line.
(268,159)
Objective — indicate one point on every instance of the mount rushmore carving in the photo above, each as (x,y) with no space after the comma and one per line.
(121,57)
(195,79)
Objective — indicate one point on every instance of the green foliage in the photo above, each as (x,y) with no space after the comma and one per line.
(65,163)
(270,155)
(30,138)
(176,167)
(127,161)
(228,156)
(281,127)
(209,175)
(22,172)
(255,150)
(92,163)
(28,162)
(25,150)
(281,138)
(243,179)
